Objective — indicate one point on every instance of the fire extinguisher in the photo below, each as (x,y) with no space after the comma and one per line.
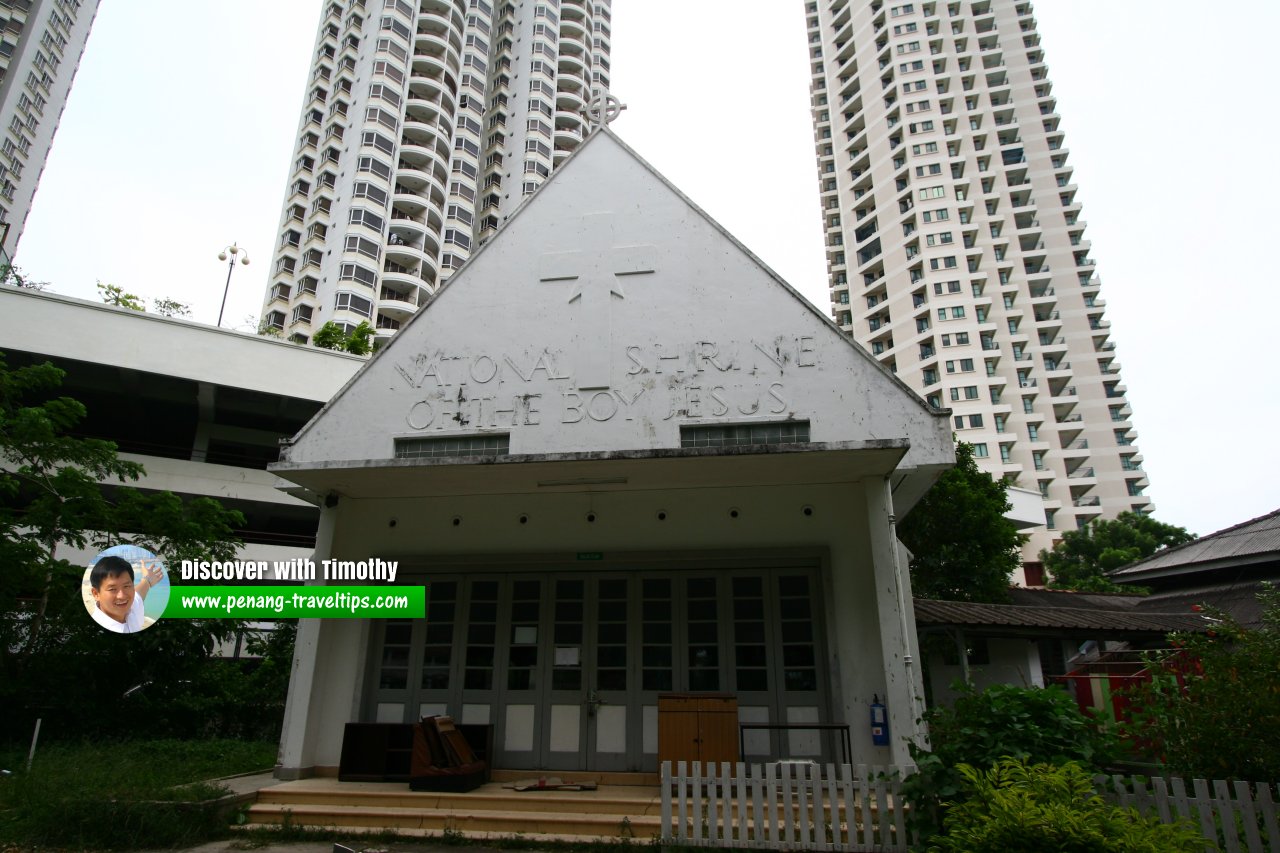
(879,722)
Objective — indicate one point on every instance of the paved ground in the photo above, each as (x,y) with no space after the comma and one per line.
(240,845)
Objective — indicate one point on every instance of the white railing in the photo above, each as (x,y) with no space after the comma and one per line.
(785,806)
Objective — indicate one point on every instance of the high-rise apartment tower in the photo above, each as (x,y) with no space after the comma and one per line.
(41,42)
(423,126)
(956,245)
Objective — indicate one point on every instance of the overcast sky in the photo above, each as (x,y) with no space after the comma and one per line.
(179,132)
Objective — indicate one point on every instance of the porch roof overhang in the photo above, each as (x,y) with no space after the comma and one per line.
(625,470)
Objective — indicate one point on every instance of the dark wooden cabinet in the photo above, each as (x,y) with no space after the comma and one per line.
(697,727)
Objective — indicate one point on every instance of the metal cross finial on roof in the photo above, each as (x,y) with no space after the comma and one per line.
(604,107)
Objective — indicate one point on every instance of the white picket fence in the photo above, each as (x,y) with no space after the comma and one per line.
(1242,817)
(784,806)
(806,806)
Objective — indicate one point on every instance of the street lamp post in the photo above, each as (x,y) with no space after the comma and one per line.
(230,251)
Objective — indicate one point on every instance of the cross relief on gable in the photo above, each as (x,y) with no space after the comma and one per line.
(595,274)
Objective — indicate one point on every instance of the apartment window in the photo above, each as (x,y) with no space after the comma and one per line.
(360,216)
(980,451)
(364,189)
(908,67)
(949,263)
(932,192)
(920,127)
(1028,405)
(369,248)
(301,314)
(1033,432)
(345,301)
(975,421)
(908,47)
(357,272)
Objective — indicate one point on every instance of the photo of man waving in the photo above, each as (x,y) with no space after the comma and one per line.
(119,597)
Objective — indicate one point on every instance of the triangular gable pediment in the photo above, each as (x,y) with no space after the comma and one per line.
(605,315)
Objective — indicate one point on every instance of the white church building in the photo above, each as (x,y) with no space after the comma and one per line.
(625,459)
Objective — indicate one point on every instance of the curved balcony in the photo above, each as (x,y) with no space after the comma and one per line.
(569,101)
(571,42)
(421,157)
(437,44)
(573,122)
(416,177)
(408,229)
(572,63)
(404,254)
(577,28)
(397,305)
(433,65)
(400,279)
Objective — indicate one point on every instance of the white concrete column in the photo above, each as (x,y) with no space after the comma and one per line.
(904,689)
(302,706)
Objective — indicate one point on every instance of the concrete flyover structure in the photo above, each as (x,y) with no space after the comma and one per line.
(624,458)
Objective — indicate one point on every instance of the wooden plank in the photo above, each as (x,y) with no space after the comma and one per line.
(1161,788)
(1267,806)
(708,800)
(1180,801)
(682,831)
(1141,799)
(801,813)
(832,798)
(788,815)
(847,787)
(899,815)
(814,784)
(1122,791)
(1204,807)
(666,833)
(882,819)
(771,801)
(1227,815)
(1249,817)
(741,833)
(868,824)
(727,794)
(757,806)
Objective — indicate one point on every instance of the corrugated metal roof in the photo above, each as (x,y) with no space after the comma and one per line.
(1251,538)
(929,612)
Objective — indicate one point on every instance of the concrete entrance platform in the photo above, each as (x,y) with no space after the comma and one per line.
(612,811)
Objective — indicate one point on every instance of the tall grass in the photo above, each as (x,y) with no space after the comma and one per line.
(121,795)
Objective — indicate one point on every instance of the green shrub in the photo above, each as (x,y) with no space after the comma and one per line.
(1214,711)
(982,727)
(121,794)
(1016,806)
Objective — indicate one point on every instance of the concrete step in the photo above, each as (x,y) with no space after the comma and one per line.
(492,797)
(600,777)
(467,821)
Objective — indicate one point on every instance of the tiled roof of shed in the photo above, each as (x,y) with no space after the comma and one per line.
(964,613)
(1250,539)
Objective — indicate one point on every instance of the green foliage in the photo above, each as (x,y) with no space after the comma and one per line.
(359,341)
(1083,558)
(982,727)
(15,277)
(54,662)
(329,336)
(1223,720)
(962,546)
(113,294)
(121,794)
(1017,806)
(172,308)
